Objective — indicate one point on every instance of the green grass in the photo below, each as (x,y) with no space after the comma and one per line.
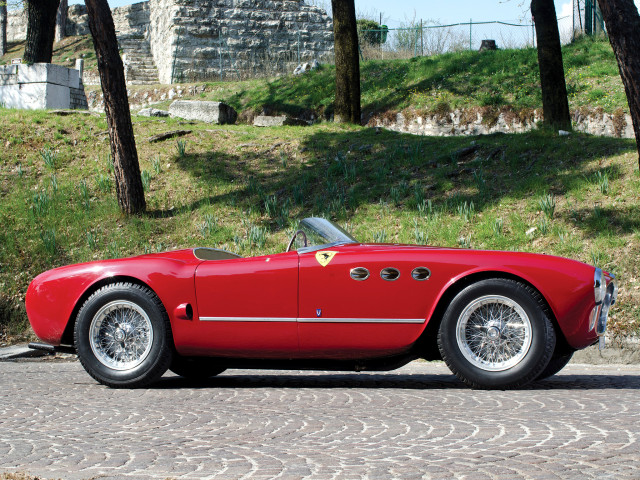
(437,85)
(242,188)
(65,53)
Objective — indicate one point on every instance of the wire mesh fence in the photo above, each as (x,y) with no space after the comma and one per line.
(429,38)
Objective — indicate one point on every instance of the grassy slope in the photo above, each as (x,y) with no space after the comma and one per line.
(236,187)
(462,79)
(433,84)
(65,52)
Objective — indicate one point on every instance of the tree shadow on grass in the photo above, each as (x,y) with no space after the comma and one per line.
(345,169)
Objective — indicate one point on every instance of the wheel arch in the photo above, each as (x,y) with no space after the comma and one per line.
(67,336)
(427,342)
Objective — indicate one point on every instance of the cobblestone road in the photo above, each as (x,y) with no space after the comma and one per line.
(417,422)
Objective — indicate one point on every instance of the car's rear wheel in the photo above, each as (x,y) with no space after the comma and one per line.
(123,336)
(195,368)
(495,334)
(557,363)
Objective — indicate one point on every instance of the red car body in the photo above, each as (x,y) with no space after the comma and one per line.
(291,306)
(291,287)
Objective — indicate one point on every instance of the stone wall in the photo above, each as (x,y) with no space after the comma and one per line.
(127,20)
(41,85)
(163,30)
(479,121)
(231,38)
(193,40)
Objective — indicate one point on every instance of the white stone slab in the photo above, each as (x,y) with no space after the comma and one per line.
(34,96)
(50,73)
(210,112)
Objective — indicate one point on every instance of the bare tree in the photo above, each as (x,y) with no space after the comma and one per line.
(3,28)
(345,32)
(41,25)
(623,24)
(123,145)
(61,20)
(555,104)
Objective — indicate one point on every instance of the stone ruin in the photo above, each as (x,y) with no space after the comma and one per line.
(170,41)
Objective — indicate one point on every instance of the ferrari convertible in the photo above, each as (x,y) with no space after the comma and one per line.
(498,319)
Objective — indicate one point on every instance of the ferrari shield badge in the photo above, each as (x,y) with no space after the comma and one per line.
(325,256)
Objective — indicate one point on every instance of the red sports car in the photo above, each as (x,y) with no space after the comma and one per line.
(498,319)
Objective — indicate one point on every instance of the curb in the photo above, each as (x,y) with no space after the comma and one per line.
(19,351)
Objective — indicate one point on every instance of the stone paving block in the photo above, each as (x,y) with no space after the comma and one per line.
(412,423)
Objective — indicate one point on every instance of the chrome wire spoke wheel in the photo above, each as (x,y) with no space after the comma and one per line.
(494,333)
(121,335)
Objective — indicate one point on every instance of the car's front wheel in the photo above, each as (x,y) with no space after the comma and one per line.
(123,336)
(495,334)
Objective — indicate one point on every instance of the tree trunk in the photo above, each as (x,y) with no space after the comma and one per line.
(555,105)
(123,146)
(3,28)
(623,24)
(41,25)
(61,20)
(345,32)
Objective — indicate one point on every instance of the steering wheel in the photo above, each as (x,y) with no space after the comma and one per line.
(293,239)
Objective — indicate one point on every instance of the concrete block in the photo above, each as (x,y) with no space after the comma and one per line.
(49,73)
(210,112)
(33,96)
(278,121)
(8,69)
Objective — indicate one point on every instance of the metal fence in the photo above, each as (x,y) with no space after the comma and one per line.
(427,38)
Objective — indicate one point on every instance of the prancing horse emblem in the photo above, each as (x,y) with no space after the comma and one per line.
(325,256)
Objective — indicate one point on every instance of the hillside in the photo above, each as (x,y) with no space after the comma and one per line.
(241,188)
(427,84)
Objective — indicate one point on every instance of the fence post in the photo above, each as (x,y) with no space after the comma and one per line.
(298,46)
(220,52)
(421,39)
(533,33)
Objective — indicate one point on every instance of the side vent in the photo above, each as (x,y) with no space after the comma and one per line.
(390,274)
(359,273)
(421,273)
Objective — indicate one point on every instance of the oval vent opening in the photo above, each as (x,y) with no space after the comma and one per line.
(359,273)
(390,273)
(421,273)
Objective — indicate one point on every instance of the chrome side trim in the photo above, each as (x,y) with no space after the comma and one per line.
(312,320)
(248,319)
(361,320)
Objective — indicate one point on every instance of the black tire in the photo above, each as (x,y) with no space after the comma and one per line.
(557,363)
(473,338)
(123,336)
(195,368)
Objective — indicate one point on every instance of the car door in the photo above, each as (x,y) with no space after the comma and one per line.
(247,307)
(358,316)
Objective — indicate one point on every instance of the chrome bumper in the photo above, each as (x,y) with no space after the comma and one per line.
(600,313)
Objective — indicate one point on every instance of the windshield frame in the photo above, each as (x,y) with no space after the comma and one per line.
(325,229)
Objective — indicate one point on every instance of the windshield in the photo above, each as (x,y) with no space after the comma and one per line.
(320,232)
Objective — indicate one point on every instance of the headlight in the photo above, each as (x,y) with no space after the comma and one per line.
(599,286)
